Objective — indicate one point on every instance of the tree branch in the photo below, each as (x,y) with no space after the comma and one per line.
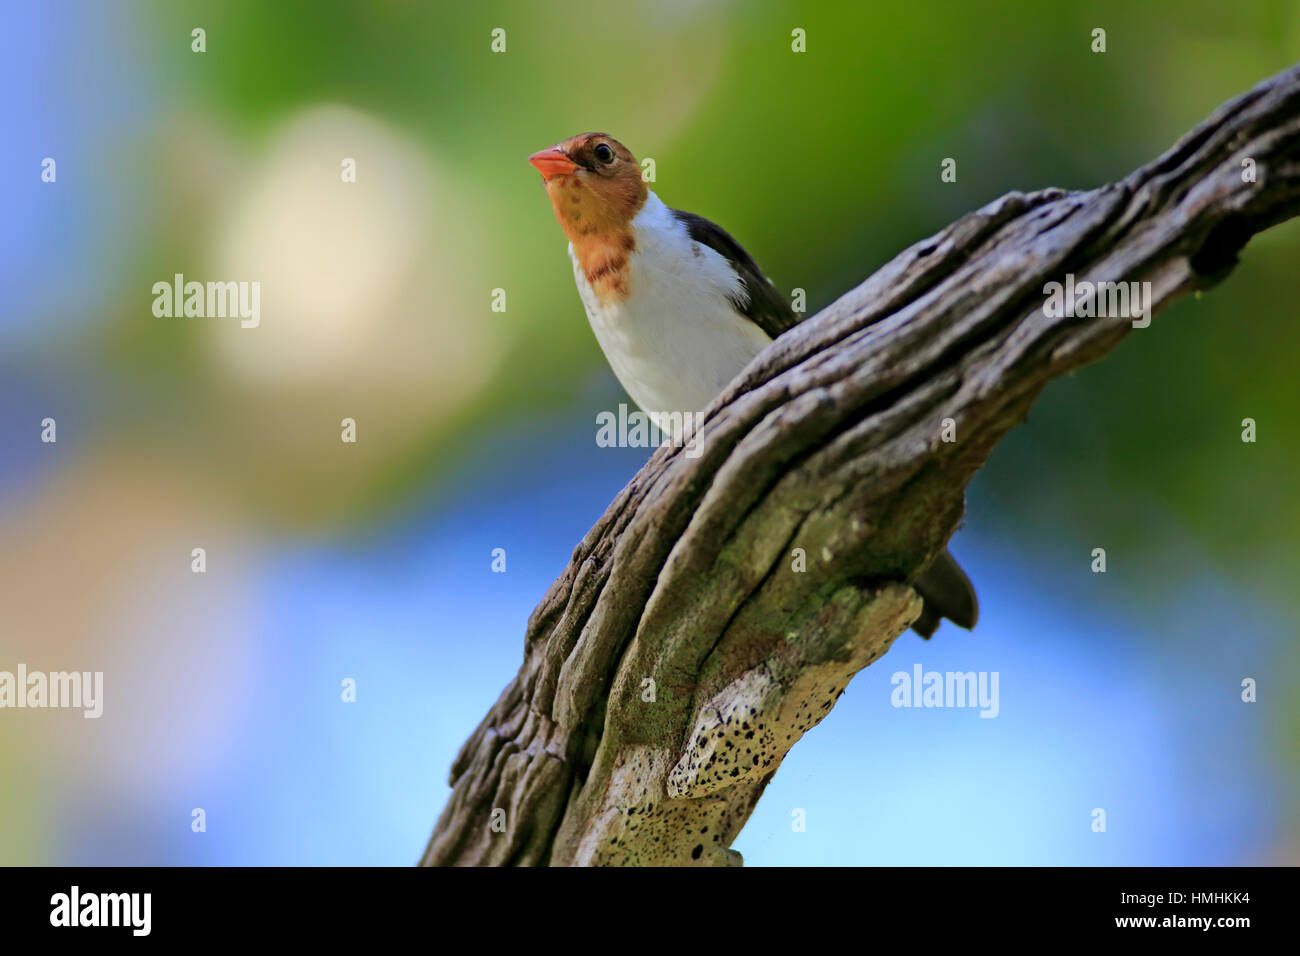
(680,655)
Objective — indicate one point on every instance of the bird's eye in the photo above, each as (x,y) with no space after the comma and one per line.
(604,153)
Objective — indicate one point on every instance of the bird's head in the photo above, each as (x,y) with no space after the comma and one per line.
(596,188)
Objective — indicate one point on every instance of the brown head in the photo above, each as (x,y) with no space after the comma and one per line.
(596,189)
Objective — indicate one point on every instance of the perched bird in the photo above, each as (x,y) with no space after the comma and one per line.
(678,307)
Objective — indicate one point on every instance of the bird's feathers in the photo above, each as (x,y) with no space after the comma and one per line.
(947,592)
(676,339)
(760,302)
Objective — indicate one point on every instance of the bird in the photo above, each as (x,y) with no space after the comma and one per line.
(679,308)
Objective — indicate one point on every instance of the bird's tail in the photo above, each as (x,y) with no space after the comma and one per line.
(947,592)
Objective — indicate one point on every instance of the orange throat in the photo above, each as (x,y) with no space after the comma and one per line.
(601,234)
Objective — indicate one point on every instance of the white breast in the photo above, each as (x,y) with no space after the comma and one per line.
(676,341)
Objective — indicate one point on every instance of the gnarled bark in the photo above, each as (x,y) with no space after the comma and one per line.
(680,655)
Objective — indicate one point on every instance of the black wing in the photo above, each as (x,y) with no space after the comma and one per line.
(764,305)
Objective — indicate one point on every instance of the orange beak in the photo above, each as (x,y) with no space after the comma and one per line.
(552,162)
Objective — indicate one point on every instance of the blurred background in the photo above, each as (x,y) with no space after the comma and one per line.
(475,428)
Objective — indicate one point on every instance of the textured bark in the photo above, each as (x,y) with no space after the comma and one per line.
(829,442)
